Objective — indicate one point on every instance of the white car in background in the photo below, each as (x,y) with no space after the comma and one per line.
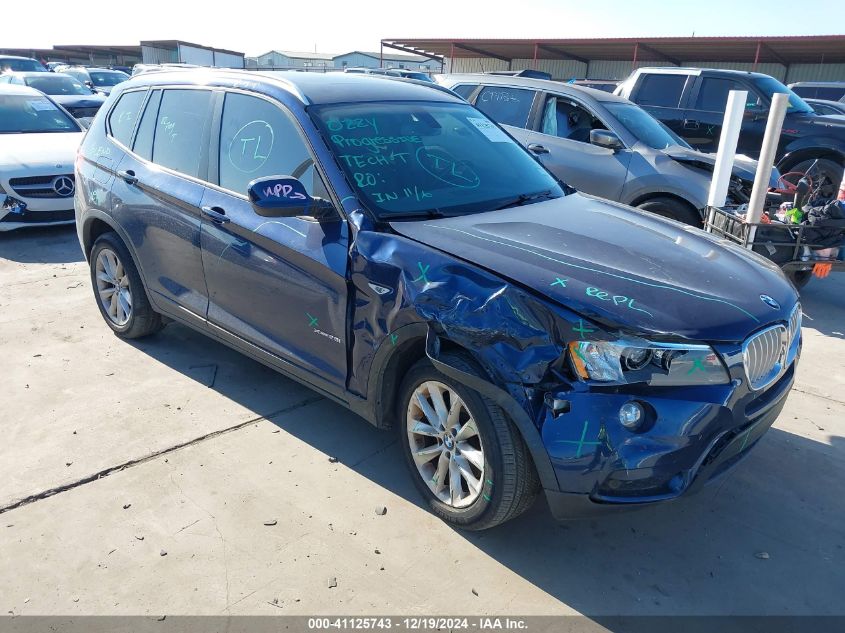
(38,143)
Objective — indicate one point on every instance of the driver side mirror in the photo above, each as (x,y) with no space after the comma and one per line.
(606,138)
(285,197)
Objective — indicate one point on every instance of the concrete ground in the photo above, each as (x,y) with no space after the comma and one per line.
(139,478)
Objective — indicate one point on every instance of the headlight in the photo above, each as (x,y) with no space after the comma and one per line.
(630,361)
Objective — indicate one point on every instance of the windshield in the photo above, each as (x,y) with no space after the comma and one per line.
(430,157)
(769,86)
(20,114)
(102,78)
(644,126)
(20,65)
(54,84)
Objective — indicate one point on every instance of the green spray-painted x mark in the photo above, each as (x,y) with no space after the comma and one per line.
(559,282)
(582,443)
(696,364)
(312,320)
(394,338)
(582,329)
(423,271)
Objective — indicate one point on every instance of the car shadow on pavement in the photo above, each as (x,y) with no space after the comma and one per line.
(42,245)
(823,302)
(774,526)
(766,539)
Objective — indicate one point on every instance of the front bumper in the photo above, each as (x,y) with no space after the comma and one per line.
(10,221)
(698,433)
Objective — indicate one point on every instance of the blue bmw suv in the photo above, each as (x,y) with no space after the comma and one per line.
(387,245)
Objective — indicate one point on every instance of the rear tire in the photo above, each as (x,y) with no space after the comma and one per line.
(119,291)
(673,209)
(465,456)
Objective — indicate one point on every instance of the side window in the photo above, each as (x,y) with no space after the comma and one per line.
(805,92)
(663,91)
(823,109)
(565,118)
(258,139)
(831,94)
(464,90)
(124,114)
(508,106)
(146,130)
(713,94)
(180,130)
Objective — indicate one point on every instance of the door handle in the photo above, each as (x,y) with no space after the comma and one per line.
(215,214)
(128,176)
(691,124)
(537,148)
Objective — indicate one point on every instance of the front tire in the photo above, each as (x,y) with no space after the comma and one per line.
(673,209)
(465,456)
(827,172)
(119,291)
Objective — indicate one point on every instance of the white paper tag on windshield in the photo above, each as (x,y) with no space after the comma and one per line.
(40,104)
(489,130)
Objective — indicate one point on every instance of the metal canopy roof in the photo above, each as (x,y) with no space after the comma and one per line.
(814,49)
(76,52)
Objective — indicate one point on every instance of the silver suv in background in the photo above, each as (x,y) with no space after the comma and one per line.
(602,144)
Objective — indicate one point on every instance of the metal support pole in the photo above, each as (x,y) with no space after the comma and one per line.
(756,56)
(777,112)
(534,63)
(452,57)
(636,50)
(727,148)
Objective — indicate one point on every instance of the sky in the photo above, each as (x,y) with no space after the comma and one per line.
(337,26)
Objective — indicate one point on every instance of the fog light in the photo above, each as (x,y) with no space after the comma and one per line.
(631,414)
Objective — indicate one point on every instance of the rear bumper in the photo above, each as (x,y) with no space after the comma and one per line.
(668,475)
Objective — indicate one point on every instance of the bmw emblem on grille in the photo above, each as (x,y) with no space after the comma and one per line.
(63,186)
(770,302)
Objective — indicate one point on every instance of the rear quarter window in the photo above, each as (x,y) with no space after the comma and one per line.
(663,91)
(508,106)
(179,141)
(124,114)
(464,90)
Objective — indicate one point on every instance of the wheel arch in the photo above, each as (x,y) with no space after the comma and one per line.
(809,153)
(95,224)
(654,195)
(417,341)
(651,195)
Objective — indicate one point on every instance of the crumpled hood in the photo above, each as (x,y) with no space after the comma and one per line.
(621,267)
(22,153)
(744,166)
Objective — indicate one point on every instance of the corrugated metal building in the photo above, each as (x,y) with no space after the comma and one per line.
(789,58)
(293,59)
(177,51)
(148,52)
(366,59)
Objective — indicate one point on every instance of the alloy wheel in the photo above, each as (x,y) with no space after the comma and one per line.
(113,287)
(445,444)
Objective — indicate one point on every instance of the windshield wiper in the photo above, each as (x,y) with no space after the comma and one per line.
(525,198)
(428,214)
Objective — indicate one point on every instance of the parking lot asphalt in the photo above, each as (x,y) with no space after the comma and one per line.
(175,476)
